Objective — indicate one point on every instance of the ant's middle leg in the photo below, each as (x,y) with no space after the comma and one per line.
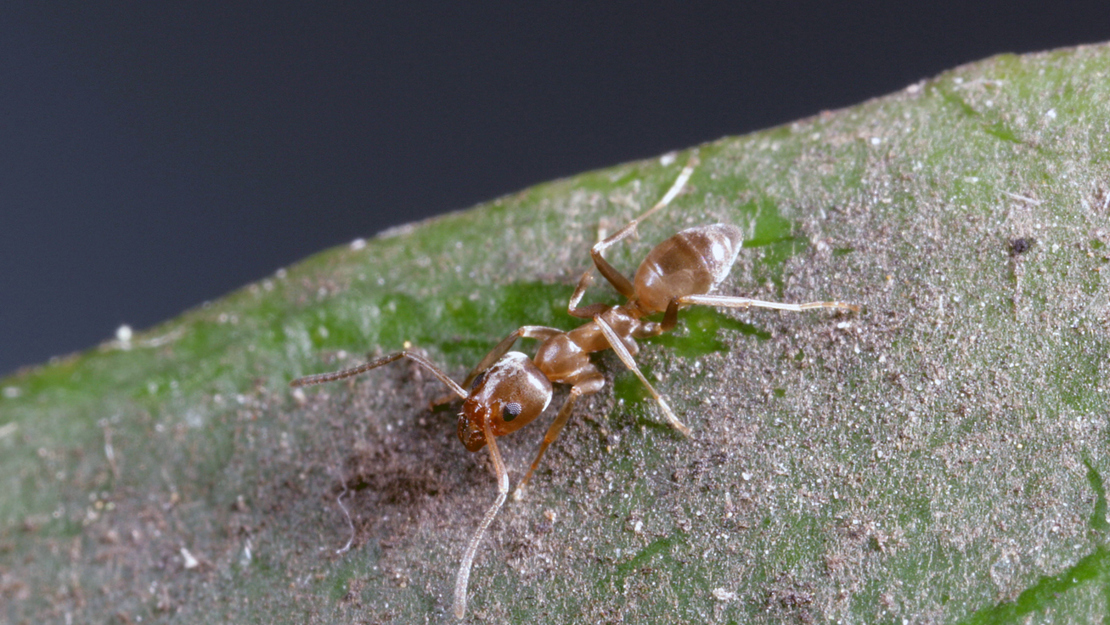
(626,357)
(619,281)
(584,312)
(586,385)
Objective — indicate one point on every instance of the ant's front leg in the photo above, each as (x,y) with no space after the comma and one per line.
(528,332)
(523,332)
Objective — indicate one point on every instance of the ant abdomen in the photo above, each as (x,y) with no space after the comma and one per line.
(691,262)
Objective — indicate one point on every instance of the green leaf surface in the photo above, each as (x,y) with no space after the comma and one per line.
(939,457)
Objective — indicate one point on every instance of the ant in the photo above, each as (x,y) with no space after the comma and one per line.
(507,389)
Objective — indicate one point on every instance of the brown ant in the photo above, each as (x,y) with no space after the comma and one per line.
(507,389)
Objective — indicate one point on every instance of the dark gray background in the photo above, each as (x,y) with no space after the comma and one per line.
(155,157)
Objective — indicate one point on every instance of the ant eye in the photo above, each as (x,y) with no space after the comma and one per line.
(511,411)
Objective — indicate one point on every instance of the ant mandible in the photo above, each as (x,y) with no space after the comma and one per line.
(507,389)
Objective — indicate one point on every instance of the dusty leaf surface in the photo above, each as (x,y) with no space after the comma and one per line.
(937,458)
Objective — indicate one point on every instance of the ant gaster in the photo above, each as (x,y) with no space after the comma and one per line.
(507,389)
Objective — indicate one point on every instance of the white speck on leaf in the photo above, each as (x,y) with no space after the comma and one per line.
(720,594)
(190,561)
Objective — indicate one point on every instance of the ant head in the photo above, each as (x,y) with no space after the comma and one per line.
(510,394)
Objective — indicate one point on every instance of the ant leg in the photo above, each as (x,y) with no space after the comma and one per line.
(463,576)
(626,357)
(670,318)
(321,378)
(584,312)
(591,384)
(528,332)
(743,302)
(499,350)
(649,329)
(619,281)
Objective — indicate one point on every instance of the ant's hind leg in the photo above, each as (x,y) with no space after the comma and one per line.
(649,329)
(727,301)
(626,357)
(621,283)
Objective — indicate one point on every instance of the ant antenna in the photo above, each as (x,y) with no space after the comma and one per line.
(321,378)
(463,577)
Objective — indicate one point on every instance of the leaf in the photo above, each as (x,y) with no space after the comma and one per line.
(939,457)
